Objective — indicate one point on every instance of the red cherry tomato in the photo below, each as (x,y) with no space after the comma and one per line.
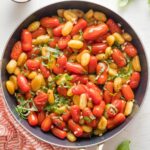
(75,113)
(99,109)
(58,123)
(110,111)
(54,42)
(75,68)
(16,50)
(46,124)
(92,64)
(26,40)
(33,53)
(134,80)
(62,91)
(62,60)
(66,115)
(40,31)
(40,100)
(63,42)
(99,48)
(119,104)
(119,58)
(113,26)
(58,70)
(108,92)
(59,133)
(49,22)
(127,92)
(32,119)
(79,78)
(130,50)
(45,72)
(41,117)
(75,128)
(33,64)
(93,32)
(81,24)
(57,30)
(117,120)
(101,70)
(79,89)
(116,96)
(23,83)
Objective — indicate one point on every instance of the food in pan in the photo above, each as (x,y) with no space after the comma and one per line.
(74,74)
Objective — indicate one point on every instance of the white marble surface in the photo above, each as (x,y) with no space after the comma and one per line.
(138,16)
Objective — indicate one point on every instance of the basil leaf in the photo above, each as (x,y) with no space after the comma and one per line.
(125,145)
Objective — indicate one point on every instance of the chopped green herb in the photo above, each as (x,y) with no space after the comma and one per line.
(117,45)
(88,119)
(60,19)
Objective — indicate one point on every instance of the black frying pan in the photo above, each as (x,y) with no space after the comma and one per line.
(51,10)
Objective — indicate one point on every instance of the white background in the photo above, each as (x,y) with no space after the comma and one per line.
(137,13)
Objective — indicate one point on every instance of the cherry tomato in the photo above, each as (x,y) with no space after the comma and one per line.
(110,111)
(57,30)
(81,24)
(93,32)
(93,86)
(101,70)
(63,42)
(75,68)
(54,42)
(127,92)
(62,91)
(58,123)
(75,128)
(119,104)
(92,64)
(116,96)
(79,78)
(79,89)
(49,22)
(45,72)
(40,100)
(58,70)
(99,109)
(33,53)
(134,80)
(59,133)
(113,26)
(119,58)
(16,50)
(32,119)
(117,120)
(33,64)
(130,50)
(99,48)
(102,38)
(108,91)
(62,60)
(66,115)
(46,124)
(75,113)
(40,31)
(41,117)
(23,83)
(26,40)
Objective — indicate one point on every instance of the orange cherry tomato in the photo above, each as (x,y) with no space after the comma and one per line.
(92,64)
(127,92)
(32,119)
(16,50)
(26,40)
(41,117)
(59,133)
(46,124)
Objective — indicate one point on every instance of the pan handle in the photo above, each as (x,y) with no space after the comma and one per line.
(98,147)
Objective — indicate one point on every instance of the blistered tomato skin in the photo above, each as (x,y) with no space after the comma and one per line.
(74,74)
